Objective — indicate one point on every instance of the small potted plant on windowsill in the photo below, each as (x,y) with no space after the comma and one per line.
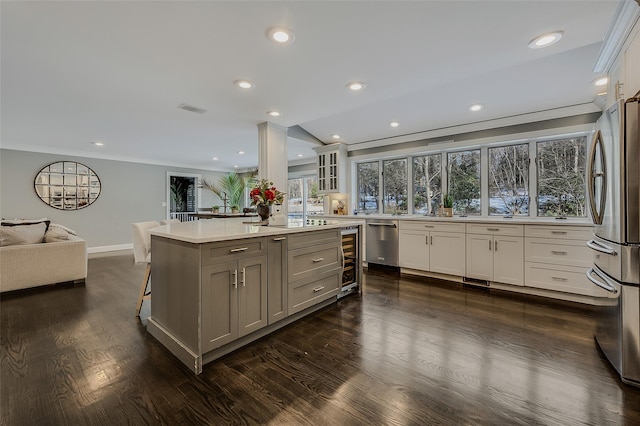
(235,209)
(215,209)
(447,206)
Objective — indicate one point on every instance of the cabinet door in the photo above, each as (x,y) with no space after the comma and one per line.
(277,279)
(414,250)
(252,295)
(508,260)
(219,305)
(631,66)
(447,253)
(479,262)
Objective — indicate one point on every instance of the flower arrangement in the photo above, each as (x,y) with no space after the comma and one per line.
(265,193)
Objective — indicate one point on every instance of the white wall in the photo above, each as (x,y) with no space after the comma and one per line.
(131,192)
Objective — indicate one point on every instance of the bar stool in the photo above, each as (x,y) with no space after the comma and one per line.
(142,254)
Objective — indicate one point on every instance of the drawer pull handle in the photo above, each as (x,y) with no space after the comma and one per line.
(317,289)
(235,278)
(238,250)
(559,232)
(279,238)
(558,279)
(493,229)
(320,259)
(242,279)
(559,253)
(428,226)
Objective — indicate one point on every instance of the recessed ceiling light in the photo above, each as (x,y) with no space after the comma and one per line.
(335,136)
(235,166)
(475,107)
(244,84)
(394,124)
(546,39)
(214,158)
(97,143)
(602,81)
(281,35)
(274,113)
(300,155)
(356,85)
(240,152)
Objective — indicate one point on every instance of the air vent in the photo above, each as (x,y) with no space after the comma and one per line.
(192,108)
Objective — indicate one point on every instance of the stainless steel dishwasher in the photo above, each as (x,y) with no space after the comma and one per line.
(382,241)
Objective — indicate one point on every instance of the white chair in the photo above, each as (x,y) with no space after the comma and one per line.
(142,254)
(169,221)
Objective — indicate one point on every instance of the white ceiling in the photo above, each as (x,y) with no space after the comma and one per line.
(77,72)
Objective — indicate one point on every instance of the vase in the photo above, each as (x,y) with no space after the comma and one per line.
(264,211)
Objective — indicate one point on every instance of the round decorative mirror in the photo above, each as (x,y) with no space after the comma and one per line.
(67,185)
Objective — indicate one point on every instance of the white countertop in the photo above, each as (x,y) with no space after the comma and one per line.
(207,231)
(520,220)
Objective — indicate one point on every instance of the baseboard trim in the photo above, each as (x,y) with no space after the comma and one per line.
(103,249)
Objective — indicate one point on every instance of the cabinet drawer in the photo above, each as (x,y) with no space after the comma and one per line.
(431,226)
(567,279)
(231,250)
(307,293)
(495,229)
(312,260)
(558,252)
(582,233)
(305,239)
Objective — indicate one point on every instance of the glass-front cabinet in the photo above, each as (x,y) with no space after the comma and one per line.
(332,168)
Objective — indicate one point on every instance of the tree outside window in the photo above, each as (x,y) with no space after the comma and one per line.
(394,175)
(427,183)
(368,184)
(562,177)
(509,180)
(464,181)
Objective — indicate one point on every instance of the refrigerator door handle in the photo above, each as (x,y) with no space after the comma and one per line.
(595,245)
(597,211)
(604,284)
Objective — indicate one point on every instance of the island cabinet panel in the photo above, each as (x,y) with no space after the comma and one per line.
(432,247)
(220,252)
(308,292)
(252,295)
(307,239)
(277,279)
(219,305)
(310,261)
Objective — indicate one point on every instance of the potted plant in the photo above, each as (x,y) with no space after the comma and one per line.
(235,209)
(447,206)
(216,209)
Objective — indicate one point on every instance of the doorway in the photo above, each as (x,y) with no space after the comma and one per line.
(182,196)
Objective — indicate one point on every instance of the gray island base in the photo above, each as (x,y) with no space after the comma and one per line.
(219,286)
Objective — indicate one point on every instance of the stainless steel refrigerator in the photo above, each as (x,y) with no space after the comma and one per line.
(614,194)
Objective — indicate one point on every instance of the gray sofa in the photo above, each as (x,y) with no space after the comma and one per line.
(25,265)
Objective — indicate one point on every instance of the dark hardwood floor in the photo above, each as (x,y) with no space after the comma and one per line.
(407,351)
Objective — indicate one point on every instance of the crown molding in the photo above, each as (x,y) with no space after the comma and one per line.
(624,19)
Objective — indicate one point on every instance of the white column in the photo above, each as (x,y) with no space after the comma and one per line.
(272,156)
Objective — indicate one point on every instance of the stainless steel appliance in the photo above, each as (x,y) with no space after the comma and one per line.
(614,195)
(351,261)
(382,242)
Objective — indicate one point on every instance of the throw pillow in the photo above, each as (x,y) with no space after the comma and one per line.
(55,235)
(22,222)
(64,228)
(23,234)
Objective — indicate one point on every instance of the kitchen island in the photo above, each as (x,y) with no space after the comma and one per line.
(219,285)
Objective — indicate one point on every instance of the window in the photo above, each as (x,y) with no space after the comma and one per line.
(509,180)
(394,173)
(464,181)
(427,183)
(561,177)
(368,182)
(303,198)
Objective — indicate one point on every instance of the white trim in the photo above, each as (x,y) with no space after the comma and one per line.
(624,19)
(171,174)
(104,249)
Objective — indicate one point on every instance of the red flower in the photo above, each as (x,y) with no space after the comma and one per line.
(269,194)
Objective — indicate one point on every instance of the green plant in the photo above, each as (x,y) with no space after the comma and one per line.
(447,201)
(235,207)
(230,185)
(216,207)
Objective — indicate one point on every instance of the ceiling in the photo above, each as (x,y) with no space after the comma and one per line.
(74,73)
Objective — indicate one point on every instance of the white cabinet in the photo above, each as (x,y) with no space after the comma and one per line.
(332,168)
(557,258)
(495,253)
(432,247)
(632,67)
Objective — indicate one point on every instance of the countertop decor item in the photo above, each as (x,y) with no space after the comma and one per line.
(447,206)
(263,195)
